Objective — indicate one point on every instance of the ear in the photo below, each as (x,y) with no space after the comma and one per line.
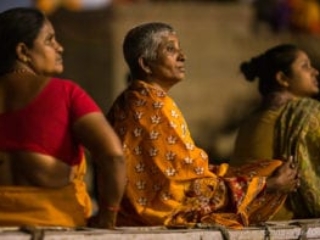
(282,79)
(144,65)
(22,52)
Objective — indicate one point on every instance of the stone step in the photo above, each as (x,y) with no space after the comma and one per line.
(275,230)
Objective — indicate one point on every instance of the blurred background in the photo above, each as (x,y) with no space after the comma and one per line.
(216,35)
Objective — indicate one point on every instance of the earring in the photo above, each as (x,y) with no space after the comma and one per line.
(25,59)
(149,72)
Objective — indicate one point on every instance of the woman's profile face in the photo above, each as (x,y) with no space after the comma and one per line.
(303,80)
(169,67)
(45,57)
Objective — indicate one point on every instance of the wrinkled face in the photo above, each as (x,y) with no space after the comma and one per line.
(303,81)
(45,55)
(168,68)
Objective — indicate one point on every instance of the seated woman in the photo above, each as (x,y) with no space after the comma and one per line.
(169,179)
(286,123)
(45,123)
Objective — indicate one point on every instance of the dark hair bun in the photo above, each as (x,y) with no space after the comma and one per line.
(251,69)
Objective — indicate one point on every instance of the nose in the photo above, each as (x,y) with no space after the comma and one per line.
(182,56)
(59,47)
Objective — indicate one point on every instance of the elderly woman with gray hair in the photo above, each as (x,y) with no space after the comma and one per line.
(169,179)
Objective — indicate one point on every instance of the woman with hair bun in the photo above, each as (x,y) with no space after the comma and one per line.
(286,123)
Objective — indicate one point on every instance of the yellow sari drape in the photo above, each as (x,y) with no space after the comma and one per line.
(169,181)
(69,206)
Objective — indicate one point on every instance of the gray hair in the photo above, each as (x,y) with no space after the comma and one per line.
(143,41)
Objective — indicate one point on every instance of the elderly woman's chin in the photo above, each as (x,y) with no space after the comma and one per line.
(180,76)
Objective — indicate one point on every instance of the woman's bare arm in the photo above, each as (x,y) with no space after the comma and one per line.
(96,134)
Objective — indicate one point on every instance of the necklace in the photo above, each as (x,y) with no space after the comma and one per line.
(20,71)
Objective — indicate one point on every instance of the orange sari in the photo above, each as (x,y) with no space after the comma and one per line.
(169,180)
(69,206)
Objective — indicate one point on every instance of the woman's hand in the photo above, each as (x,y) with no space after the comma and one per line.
(285,179)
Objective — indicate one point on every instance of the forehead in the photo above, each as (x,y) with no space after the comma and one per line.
(168,37)
(301,56)
(46,28)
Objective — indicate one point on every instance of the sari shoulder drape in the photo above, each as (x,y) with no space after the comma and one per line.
(297,133)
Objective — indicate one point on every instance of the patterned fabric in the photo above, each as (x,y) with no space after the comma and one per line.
(169,181)
(297,133)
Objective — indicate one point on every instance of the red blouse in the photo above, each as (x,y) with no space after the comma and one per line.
(45,125)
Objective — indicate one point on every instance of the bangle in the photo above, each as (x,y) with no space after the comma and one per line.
(113,208)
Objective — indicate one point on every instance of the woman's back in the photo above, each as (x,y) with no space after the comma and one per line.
(255,137)
(24,167)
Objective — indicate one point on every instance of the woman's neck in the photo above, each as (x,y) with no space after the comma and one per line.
(158,85)
(276,100)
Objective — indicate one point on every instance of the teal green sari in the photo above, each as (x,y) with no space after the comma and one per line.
(297,133)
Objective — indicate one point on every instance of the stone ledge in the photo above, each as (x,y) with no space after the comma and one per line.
(277,230)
